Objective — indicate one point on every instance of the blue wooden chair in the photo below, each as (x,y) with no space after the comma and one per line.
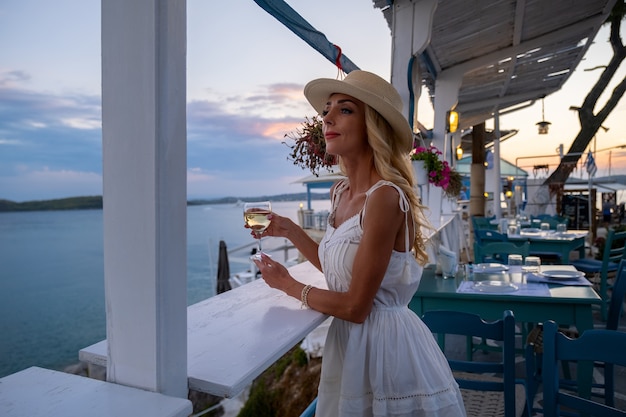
(483,223)
(484,236)
(601,270)
(606,390)
(499,251)
(593,345)
(562,219)
(488,388)
(487,236)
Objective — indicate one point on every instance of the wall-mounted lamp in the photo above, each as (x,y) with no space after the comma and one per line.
(543,125)
(452,121)
(509,194)
(459,153)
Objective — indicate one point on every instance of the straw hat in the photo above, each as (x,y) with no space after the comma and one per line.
(371,90)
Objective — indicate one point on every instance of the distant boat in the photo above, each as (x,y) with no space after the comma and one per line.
(239,203)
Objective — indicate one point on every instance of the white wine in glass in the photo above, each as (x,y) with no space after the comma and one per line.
(255,214)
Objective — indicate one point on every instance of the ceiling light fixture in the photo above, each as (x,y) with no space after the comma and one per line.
(543,125)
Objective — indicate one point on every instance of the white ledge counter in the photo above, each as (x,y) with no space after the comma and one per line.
(234,336)
(38,392)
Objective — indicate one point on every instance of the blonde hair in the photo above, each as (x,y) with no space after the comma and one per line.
(393,164)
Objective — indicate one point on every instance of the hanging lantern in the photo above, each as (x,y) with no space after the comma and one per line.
(452,121)
(459,153)
(543,125)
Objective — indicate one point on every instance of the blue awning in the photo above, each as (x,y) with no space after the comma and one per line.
(298,25)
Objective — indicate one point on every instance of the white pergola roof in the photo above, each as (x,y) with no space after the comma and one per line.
(509,51)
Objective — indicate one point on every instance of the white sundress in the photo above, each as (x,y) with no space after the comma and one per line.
(390,365)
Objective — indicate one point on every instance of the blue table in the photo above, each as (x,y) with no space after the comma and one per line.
(566,305)
(551,242)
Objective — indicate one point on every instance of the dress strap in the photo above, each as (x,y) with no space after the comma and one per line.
(334,199)
(339,188)
(403,203)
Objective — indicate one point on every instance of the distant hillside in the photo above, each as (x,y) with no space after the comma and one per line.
(95,202)
(279,197)
(72,203)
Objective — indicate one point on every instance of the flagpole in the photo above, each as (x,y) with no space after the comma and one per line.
(591,170)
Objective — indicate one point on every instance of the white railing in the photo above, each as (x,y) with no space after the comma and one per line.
(313,220)
(233,337)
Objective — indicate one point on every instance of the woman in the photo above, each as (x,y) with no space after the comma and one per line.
(379,358)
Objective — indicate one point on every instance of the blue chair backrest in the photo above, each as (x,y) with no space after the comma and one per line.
(483,223)
(485,236)
(617,297)
(593,345)
(499,251)
(616,304)
(467,324)
(615,247)
(614,252)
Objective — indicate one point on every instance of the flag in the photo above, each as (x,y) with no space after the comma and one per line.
(590,165)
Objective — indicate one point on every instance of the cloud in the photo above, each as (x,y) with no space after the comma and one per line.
(51,144)
(10,78)
(86,124)
(9,142)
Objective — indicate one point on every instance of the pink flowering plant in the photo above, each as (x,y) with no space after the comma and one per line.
(440,173)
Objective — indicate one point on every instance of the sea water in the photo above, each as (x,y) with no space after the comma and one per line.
(52,276)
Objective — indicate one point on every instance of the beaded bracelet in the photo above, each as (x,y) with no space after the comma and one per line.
(304,295)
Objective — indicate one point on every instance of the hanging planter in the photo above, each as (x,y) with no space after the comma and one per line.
(438,172)
(421,172)
(308,146)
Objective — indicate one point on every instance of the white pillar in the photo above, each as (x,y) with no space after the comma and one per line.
(446,97)
(413,17)
(144,174)
(497,171)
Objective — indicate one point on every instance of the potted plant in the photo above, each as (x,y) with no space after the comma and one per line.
(308,146)
(438,172)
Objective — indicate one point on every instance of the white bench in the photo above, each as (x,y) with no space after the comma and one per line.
(38,392)
(233,337)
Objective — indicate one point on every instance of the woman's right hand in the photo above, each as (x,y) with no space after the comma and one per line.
(279,226)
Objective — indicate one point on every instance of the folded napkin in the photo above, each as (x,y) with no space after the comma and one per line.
(582,281)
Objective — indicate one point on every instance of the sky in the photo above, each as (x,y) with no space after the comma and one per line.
(245,76)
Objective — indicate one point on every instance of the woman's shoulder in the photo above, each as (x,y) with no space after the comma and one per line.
(384,192)
(386,187)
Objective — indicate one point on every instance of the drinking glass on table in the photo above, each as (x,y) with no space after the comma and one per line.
(514,229)
(561,228)
(515,268)
(532,264)
(515,260)
(256,217)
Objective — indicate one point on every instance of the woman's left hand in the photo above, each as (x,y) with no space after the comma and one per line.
(274,273)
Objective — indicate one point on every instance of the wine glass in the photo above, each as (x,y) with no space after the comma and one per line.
(255,214)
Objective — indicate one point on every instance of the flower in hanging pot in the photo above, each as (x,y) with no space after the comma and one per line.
(309,146)
(440,173)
